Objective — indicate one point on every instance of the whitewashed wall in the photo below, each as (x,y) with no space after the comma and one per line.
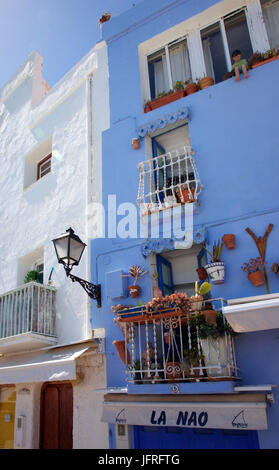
(31,215)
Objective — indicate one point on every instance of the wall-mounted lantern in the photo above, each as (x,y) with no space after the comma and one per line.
(69,249)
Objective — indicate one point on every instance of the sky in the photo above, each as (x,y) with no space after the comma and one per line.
(61,31)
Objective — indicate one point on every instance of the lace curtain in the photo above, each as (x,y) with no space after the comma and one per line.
(271,18)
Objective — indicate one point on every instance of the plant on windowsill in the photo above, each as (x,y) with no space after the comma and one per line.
(260,58)
(205,82)
(31,276)
(177,300)
(147,107)
(136,273)
(216,268)
(254,270)
(191,87)
(164,97)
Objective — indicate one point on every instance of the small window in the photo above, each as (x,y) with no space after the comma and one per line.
(271,19)
(44,167)
(40,268)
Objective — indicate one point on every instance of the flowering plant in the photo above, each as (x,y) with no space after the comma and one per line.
(177,299)
(255,264)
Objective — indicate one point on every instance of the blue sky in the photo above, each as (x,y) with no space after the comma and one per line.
(62,31)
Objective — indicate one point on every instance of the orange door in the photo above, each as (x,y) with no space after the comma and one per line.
(57,416)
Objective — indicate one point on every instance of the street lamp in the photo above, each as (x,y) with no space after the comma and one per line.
(69,249)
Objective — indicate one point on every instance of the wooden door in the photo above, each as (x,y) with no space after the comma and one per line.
(57,416)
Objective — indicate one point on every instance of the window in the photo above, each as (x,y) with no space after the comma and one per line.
(39,266)
(44,167)
(271,19)
(168,66)
(220,39)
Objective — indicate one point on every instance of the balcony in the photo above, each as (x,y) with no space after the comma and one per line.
(177,345)
(168,180)
(27,318)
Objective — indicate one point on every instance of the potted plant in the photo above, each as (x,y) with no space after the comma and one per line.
(193,357)
(260,58)
(197,299)
(229,240)
(254,270)
(202,274)
(31,276)
(186,193)
(147,107)
(206,82)
(275,268)
(166,305)
(191,87)
(105,17)
(136,273)
(164,97)
(216,268)
(137,375)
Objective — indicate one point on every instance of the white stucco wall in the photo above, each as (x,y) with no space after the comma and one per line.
(31,215)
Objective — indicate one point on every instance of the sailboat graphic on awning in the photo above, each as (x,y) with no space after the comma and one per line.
(239,421)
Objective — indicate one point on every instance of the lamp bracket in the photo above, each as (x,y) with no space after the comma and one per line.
(93,290)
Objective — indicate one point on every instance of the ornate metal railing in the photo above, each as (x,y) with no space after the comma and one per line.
(168,180)
(29,308)
(172,346)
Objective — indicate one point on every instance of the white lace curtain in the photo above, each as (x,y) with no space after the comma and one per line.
(180,68)
(271,18)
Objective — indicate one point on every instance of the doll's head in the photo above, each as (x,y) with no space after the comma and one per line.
(236,55)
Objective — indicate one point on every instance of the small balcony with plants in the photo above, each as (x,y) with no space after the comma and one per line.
(176,339)
(168,180)
(27,317)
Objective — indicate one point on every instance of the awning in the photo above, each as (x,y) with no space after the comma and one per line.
(214,415)
(44,366)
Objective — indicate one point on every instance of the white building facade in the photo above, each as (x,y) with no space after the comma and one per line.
(50,153)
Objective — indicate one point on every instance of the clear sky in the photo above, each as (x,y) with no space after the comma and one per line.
(62,31)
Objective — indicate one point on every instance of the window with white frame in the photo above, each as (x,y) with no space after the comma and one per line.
(167,66)
(221,39)
(271,18)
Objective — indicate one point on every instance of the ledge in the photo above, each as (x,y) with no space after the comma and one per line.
(250,314)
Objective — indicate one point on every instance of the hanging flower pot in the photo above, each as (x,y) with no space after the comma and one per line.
(206,82)
(121,351)
(173,371)
(202,274)
(210,316)
(135,144)
(256,278)
(216,272)
(134,291)
(229,240)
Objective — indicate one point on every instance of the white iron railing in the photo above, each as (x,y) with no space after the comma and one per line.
(171,349)
(168,180)
(29,308)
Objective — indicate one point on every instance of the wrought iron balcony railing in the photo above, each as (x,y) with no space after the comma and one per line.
(168,180)
(29,308)
(172,346)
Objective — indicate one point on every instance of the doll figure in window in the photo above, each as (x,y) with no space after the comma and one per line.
(240,65)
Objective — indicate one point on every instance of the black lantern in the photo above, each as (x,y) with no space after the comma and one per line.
(69,249)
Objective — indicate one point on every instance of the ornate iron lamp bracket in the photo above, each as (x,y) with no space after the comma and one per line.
(93,290)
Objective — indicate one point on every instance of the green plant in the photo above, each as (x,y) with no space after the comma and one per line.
(207,329)
(193,354)
(216,251)
(135,272)
(31,276)
(179,85)
(161,95)
(203,289)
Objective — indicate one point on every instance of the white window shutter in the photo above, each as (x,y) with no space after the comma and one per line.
(196,55)
(257,27)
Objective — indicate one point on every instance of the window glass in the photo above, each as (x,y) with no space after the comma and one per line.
(214,54)
(158,75)
(271,19)
(40,269)
(180,62)
(238,34)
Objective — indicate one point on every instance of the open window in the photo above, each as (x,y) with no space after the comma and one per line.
(219,40)
(271,18)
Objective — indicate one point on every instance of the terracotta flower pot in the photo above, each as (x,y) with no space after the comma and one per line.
(229,240)
(256,278)
(210,316)
(176,95)
(135,144)
(191,88)
(202,274)
(147,109)
(206,82)
(188,196)
(134,291)
(258,64)
(120,348)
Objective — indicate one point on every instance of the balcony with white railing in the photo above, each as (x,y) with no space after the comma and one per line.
(171,345)
(27,317)
(168,180)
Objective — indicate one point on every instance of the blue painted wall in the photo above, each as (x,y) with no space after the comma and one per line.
(234,132)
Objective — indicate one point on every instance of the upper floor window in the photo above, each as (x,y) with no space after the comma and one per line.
(271,19)
(44,166)
(168,66)
(220,39)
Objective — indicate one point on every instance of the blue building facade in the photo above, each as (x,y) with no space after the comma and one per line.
(220,145)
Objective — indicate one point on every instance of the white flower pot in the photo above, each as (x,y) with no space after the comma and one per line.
(216,272)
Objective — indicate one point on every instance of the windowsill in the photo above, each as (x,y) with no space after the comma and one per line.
(38,181)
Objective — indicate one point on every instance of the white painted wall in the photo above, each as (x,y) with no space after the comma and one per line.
(32,213)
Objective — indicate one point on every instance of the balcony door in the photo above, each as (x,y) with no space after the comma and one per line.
(57,416)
